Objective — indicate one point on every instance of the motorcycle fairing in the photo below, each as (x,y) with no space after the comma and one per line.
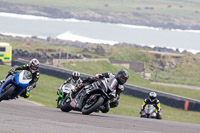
(6,82)
(20,82)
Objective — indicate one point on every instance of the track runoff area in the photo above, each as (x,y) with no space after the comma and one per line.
(22,116)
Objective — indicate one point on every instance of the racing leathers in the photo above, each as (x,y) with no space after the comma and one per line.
(117,87)
(32,83)
(62,92)
(155,103)
(113,89)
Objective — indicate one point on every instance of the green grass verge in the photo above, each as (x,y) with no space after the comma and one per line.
(45,93)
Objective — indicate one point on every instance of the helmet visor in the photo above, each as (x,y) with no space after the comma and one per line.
(75,77)
(152,98)
(34,67)
(123,79)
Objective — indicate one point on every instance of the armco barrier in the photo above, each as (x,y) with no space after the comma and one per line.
(140,92)
(165,98)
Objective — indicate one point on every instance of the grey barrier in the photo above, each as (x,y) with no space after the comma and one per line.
(132,90)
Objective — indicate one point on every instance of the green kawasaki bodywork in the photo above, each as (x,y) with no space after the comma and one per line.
(60,96)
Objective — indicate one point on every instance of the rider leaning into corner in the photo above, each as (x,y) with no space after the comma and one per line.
(33,67)
(152,99)
(75,80)
(116,81)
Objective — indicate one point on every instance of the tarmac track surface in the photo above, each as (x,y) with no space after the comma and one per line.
(22,116)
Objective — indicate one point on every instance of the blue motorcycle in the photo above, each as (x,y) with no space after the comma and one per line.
(15,85)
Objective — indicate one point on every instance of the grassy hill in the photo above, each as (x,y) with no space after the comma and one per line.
(167,7)
(45,93)
(41,48)
(184,69)
(158,13)
(181,70)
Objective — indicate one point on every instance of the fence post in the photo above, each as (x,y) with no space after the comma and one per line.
(186,105)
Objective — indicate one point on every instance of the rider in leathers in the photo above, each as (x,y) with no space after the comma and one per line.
(119,89)
(76,81)
(115,84)
(153,101)
(33,67)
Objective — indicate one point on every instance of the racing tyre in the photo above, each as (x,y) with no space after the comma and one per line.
(7,92)
(87,110)
(65,106)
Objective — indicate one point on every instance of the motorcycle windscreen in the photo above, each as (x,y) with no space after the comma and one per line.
(68,88)
(23,78)
(150,109)
(111,84)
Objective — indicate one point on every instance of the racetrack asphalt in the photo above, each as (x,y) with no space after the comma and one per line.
(23,116)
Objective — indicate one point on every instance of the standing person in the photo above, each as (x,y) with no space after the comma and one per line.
(75,81)
(152,99)
(33,67)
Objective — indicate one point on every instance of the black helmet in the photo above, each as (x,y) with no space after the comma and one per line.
(122,76)
(75,75)
(152,96)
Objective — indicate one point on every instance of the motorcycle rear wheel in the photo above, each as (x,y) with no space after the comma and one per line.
(87,111)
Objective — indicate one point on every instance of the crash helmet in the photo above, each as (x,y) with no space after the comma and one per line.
(152,96)
(34,65)
(122,76)
(75,75)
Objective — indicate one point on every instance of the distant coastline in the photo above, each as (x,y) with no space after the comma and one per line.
(33,17)
(79,44)
(141,20)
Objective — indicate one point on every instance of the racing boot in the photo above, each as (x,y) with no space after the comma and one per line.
(104,108)
(114,104)
(25,94)
(158,115)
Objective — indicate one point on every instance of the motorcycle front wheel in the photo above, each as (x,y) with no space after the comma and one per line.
(89,109)
(8,91)
(65,106)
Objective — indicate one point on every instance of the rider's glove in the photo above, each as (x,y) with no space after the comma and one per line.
(79,86)
(12,71)
(96,76)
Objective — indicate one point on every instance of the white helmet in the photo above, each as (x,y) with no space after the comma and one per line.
(76,75)
(152,96)
(34,65)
